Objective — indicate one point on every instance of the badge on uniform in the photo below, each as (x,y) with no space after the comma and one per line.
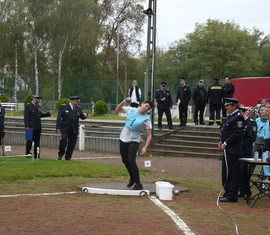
(239,124)
(254,128)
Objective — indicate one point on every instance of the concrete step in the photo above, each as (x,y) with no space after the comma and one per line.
(194,138)
(180,148)
(188,143)
(161,152)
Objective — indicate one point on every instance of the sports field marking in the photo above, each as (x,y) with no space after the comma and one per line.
(39,194)
(179,222)
(83,158)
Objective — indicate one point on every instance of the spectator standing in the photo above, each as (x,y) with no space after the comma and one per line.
(137,121)
(135,94)
(164,104)
(2,118)
(199,98)
(68,124)
(32,119)
(249,136)
(228,91)
(231,144)
(262,126)
(183,97)
(214,98)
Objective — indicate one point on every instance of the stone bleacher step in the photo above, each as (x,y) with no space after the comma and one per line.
(199,149)
(192,142)
(161,152)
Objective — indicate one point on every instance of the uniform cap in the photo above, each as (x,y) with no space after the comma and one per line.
(216,79)
(76,97)
(201,81)
(229,101)
(163,83)
(37,97)
(243,108)
(182,78)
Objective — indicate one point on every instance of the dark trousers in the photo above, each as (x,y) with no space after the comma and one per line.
(183,108)
(168,116)
(199,108)
(128,153)
(36,140)
(68,139)
(224,112)
(230,176)
(134,105)
(214,113)
(245,173)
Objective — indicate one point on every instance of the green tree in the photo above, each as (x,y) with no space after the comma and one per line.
(217,49)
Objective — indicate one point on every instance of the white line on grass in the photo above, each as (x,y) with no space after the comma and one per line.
(179,222)
(38,194)
(82,158)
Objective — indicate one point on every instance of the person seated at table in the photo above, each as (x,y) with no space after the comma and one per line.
(249,136)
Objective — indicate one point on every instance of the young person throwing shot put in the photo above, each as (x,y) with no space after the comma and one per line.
(137,121)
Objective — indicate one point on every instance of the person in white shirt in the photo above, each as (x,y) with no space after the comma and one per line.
(135,94)
(137,121)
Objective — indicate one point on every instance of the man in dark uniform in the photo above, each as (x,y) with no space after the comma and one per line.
(183,96)
(68,124)
(32,119)
(228,90)
(231,144)
(164,104)
(199,99)
(214,98)
(2,119)
(249,136)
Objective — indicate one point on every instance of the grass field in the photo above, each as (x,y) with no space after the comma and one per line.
(197,206)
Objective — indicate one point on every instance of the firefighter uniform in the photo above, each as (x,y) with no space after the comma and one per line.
(183,95)
(214,98)
(32,119)
(68,123)
(249,136)
(164,104)
(231,136)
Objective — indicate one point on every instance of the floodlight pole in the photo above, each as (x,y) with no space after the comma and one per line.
(151,12)
(118,23)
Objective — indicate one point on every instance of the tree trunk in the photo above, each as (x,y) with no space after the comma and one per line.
(16,73)
(36,71)
(60,79)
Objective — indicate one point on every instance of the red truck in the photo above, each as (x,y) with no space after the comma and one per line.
(250,91)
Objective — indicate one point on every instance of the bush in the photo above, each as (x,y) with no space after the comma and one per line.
(4,97)
(27,99)
(101,108)
(59,103)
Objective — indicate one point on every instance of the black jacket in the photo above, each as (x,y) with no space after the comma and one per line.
(249,136)
(215,94)
(199,95)
(183,94)
(228,90)
(68,120)
(163,94)
(136,92)
(33,115)
(232,132)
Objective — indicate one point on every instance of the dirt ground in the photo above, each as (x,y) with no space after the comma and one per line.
(103,214)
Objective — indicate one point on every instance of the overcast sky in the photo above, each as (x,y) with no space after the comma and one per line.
(176,18)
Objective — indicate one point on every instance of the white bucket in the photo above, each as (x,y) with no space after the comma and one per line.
(158,184)
(166,192)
